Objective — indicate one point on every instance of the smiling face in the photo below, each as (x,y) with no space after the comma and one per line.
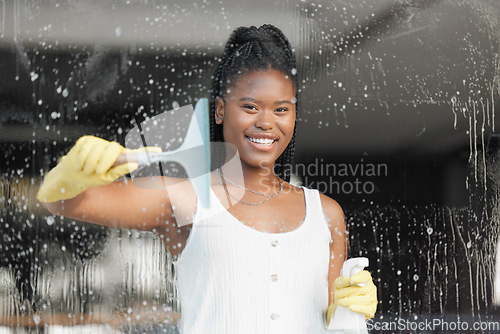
(258,116)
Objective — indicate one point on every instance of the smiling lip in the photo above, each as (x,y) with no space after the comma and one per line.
(262,146)
(261,135)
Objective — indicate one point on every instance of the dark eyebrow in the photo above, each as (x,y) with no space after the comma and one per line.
(282,102)
(257,101)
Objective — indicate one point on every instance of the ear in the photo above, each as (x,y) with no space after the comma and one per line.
(219,110)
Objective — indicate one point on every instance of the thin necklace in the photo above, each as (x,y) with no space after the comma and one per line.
(221,176)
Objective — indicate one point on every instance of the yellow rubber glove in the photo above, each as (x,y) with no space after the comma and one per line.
(87,164)
(360,299)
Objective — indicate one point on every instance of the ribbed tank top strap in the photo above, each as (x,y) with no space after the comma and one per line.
(203,216)
(316,210)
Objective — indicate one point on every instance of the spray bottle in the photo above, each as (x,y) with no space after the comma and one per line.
(343,320)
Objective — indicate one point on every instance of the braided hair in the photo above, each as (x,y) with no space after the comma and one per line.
(255,49)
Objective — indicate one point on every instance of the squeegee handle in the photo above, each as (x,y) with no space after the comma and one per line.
(128,157)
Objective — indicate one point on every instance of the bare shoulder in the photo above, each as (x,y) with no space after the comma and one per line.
(331,207)
(333,212)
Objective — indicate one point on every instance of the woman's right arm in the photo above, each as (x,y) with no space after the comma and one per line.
(126,205)
(82,186)
(119,204)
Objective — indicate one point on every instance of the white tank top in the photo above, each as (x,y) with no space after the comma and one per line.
(233,279)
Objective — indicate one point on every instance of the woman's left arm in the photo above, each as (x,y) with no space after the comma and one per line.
(338,248)
(345,291)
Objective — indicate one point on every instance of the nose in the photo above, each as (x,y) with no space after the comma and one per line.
(265,120)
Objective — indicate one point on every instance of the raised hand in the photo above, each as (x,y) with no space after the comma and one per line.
(88,164)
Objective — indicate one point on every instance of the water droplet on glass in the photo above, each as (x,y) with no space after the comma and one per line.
(33,76)
(50,220)
(430,230)
(415,277)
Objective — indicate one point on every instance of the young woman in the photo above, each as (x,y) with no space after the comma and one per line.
(266,256)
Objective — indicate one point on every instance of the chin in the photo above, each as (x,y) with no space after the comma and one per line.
(253,162)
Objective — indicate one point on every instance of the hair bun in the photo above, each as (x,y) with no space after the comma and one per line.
(243,35)
(255,34)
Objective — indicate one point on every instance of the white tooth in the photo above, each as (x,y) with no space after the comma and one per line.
(262,141)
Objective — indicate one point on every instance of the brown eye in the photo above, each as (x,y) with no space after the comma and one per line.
(282,109)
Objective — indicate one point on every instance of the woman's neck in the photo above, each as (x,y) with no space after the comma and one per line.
(260,178)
